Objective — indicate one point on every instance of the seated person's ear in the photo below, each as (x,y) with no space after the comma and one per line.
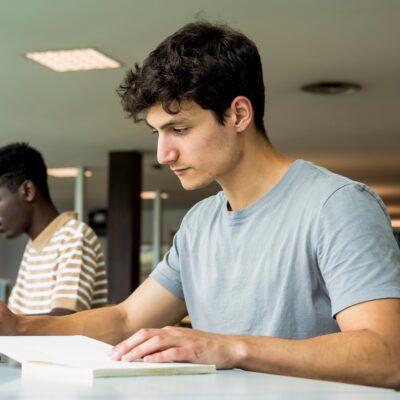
(28,191)
(243,112)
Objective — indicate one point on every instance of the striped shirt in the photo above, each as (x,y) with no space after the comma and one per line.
(62,268)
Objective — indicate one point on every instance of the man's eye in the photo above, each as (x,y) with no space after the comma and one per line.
(154,132)
(179,130)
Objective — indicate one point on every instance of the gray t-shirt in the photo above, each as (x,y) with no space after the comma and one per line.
(314,245)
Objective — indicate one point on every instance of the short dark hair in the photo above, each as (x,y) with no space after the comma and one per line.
(207,63)
(20,162)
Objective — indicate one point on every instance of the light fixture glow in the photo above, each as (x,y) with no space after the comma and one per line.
(66,172)
(73,60)
(395,223)
(152,195)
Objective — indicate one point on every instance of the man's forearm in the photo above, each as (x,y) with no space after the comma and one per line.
(150,305)
(360,357)
(106,324)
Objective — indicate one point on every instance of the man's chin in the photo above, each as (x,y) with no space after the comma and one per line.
(194,185)
(10,235)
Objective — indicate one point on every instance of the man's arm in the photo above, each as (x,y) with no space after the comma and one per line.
(366,351)
(150,305)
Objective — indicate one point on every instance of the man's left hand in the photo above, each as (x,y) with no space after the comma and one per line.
(179,344)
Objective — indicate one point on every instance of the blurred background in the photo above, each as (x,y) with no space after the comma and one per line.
(75,118)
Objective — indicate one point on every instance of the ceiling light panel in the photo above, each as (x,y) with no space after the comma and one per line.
(66,172)
(73,60)
(153,195)
(395,223)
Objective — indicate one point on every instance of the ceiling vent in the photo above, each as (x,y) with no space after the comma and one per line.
(332,87)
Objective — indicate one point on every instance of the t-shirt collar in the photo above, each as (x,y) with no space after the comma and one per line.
(44,237)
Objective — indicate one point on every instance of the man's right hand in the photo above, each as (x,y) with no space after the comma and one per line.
(8,321)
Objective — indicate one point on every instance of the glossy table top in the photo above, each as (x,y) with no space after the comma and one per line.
(235,384)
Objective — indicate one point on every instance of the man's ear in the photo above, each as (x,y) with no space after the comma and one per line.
(242,111)
(28,191)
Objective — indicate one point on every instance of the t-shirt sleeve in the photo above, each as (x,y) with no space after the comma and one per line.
(100,288)
(76,275)
(356,250)
(16,290)
(167,272)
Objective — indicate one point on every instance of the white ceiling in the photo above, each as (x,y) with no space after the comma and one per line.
(75,118)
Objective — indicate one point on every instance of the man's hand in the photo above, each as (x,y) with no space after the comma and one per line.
(8,321)
(178,344)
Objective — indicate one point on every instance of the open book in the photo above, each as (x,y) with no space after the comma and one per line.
(83,357)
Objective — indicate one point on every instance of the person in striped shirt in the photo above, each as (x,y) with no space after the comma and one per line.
(62,269)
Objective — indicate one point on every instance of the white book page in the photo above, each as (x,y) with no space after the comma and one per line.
(66,350)
(73,351)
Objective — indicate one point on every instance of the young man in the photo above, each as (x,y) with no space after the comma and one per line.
(290,269)
(62,269)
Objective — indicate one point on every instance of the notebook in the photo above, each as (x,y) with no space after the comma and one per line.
(79,356)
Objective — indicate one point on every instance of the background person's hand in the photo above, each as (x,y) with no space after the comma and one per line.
(8,320)
(178,344)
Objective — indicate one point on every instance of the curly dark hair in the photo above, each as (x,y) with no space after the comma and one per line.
(20,162)
(207,63)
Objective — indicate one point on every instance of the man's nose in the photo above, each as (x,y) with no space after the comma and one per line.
(166,151)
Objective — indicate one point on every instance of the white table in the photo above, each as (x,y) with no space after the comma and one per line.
(229,385)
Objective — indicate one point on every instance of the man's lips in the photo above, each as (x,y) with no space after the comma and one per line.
(180,171)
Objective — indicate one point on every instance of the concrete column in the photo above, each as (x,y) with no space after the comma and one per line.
(123,225)
(80,194)
(157,228)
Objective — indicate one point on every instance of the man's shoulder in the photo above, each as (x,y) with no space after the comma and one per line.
(326,188)
(322,175)
(320,183)
(73,228)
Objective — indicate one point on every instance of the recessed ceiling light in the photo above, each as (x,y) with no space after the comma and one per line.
(331,87)
(396,223)
(66,172)
(73,60)
(152,195)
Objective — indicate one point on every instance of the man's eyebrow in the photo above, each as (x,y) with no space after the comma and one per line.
(176,121)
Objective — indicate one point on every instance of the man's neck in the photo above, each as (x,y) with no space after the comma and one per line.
(44,214)
(259,170)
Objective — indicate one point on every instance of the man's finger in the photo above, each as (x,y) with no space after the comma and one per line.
(172,354)
(153,345)
(135,340)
